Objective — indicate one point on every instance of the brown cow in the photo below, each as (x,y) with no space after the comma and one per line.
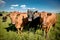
(50,20)
(12,16)
(20,21)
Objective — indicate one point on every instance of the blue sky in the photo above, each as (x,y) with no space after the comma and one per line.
(23,5)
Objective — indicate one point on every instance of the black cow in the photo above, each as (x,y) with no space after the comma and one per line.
(34,19)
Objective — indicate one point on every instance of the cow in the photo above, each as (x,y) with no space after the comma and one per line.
(12,16)
(49,19)
(20,21)
(36,20)
(46,20)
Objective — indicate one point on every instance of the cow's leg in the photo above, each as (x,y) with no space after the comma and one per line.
(40,26)
(46,31)
(43,32)
(29,27)
(35,29)
(21,29)
(18,30)
(53,24)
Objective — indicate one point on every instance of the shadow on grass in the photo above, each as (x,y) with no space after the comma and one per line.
(25,29)
(11,28)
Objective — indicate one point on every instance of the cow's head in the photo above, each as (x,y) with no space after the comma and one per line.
(30,15)
(35,14)
(4,18)
(43,15)
(13,17)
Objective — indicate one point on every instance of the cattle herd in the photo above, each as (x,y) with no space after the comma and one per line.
(44,19)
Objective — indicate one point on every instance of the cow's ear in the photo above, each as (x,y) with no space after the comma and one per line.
(36,11)
(7,14)
(18,14)
(49,14)
(39,13)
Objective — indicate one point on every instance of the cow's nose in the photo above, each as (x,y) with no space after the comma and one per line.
(44,24)
(13,23)
(29,19)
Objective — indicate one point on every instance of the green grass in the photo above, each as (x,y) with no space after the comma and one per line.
(54,33)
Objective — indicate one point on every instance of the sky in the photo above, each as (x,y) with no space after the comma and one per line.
(23,5)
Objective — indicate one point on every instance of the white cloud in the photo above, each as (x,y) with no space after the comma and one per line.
(28,8)
(12,7)
(2,2)
(15,5)
(31,8)
(23,6)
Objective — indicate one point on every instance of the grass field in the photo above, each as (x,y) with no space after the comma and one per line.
(54,33)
